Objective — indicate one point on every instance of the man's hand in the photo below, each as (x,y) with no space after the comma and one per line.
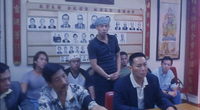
(97,107)
(170,108)
(172,93)
(114,76)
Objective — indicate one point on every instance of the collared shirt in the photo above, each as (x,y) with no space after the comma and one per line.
(74,99)
(2,100)
(140,90)
(165,80)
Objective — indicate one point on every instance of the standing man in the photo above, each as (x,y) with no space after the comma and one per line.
(124,68)
(166,80)
(139,90)
(104,57)
(11,95)
(58,94)
(77,75)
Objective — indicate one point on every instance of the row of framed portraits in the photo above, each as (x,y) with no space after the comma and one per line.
(80,21)
(83,58)
(64,50)
(80,38)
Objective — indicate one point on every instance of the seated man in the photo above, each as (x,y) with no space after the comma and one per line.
(11,95)
(77,75)
(166,80)
(124,68)
(139,89)
(61,95)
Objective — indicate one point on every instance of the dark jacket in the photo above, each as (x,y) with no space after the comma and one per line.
(17,97)
(125,95)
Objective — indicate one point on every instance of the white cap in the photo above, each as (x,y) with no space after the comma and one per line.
(74,55)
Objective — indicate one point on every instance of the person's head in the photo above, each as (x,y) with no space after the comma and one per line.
(108,17)
(80,18)
(91,36)
(4,78)
(55,77)
(65,19)
(122,36)
(83,36)
(102,25)
(32,21)
(124,59)
(51,21)
(77,48)
(166,64)
(40,59)
(74,61)
(66,35)
(94,17)
(117,24)
(138,65)
(75,36)
(82,48)
(71,47)
(65,48)
(42,21)
(125,24)
(59,48)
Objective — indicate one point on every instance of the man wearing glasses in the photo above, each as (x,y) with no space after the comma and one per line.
(77,75)
(80,24)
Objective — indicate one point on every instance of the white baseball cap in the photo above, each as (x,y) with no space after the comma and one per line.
(74,55)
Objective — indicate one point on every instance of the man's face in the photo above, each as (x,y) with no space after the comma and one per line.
(80,19)
(32,22)
(4,81)
(94,19)
(71,48)
(83,36)
(139,68)
(51,21)
(132,24)
(117,24)
(122,36)
(91,36)
(66,36)
(75,37)
(102,29)
(59,82)
(41,61)
(75,64)
(124,60)
(42,22)
(65,19)
(166,65)
(125,24)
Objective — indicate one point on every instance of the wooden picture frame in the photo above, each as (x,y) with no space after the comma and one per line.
(168,34)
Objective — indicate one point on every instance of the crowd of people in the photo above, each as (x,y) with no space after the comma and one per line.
(51,86)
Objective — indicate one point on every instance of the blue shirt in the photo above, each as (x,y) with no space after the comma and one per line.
(105,54)
(165,80)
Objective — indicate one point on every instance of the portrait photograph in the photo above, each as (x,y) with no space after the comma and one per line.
(42,23)
(65,49)
(122,38)
(65,20)
(32,23)
(139,26)
(132,26)
(64,59)
(71,49)
(80,21)
(83,50)
(91,36)
(84,38)
(84,58)
(91,20)
(59,50)
(56,37)
(118,25)
(75,38)
(125,25)
(51,23)
(67,37)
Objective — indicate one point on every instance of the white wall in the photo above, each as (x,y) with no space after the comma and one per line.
(18,71)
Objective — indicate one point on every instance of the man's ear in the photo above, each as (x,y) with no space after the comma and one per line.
(49,84)
(130,68)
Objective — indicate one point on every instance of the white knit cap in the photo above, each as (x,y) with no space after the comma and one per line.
(74,55)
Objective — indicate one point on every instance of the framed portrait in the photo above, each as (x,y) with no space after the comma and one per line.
(168,36)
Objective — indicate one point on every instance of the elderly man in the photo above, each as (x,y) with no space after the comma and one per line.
(104,57)
(11,95)
(166,80)
(58,94)
(139,90)
(77,75)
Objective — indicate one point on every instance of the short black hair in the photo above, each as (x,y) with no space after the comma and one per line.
(167,58)
(3,67)
(94,16)
(123,53)
(135,55)
(49,70)
(65,15)
(75,35)
(36,56)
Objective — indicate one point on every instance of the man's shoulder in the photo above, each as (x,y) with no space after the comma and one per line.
(67,70)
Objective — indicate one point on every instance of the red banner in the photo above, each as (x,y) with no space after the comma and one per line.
(147,33)
(191,75)
(16,32)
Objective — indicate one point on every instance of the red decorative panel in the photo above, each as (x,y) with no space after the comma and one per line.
(147,33)
(191,75)
(16,32)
